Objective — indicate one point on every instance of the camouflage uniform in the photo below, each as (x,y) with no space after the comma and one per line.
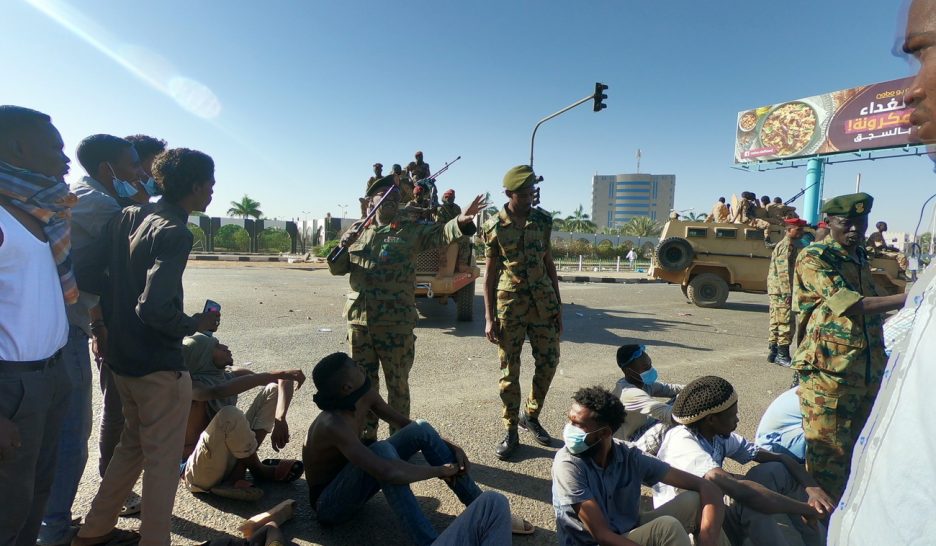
(447,211)
(381,310)
(780,291)
(527,306)
(840,358)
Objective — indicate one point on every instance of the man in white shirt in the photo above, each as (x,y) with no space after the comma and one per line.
(890,490)
(770,501)
(641,392)
(36,282)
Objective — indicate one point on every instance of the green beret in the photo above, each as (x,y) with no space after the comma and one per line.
(850,206)
(519,177)
(380,183)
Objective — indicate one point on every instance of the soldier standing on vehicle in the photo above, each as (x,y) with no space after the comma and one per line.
(381,309)
(840,358)
(877,246)
(421,169)
(403,182)
(378,173)
(720,212)
(780,292)
(448,209)
(521,300)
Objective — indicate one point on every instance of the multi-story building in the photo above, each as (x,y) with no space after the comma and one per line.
(617,198)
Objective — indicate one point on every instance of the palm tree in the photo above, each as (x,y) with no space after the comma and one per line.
(245,207)
(578,221)
(642,226)
(697,216)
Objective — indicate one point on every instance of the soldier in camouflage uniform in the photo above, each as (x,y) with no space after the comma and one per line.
(521,300)
(840,359)
(780,292)
(381,310)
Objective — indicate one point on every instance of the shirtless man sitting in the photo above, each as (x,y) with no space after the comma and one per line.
(343,473)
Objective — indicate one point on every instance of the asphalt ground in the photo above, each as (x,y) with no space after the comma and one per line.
(278,317)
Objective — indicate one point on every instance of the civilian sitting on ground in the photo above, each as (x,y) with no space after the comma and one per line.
(640,391)
(221,442)
(343,473)
(781,427)
(707,413)
(597,479)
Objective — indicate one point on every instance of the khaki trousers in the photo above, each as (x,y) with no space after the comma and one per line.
(228,437)
(672,523)
(155,409)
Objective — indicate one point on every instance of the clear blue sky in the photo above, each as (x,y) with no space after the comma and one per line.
(295,100)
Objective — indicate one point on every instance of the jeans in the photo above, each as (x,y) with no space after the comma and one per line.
(112,419)
(352,487)
(73,440)
(486,522)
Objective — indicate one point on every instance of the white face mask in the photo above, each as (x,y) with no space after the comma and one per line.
(122,187)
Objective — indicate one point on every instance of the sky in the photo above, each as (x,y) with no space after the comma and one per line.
(295,100)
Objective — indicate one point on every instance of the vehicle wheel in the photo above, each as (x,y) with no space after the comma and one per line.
(674,254)
(464,303)
(708,290)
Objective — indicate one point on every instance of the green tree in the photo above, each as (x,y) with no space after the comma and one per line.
(232,237)
(275,239)
(925,241)
(199,235)
(642,226)
(697,216)
(245,208)
(326,249)
(578,222)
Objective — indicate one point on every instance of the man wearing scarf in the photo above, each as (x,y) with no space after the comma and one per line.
(36,281)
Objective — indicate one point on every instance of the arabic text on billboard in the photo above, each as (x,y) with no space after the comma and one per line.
(869,117)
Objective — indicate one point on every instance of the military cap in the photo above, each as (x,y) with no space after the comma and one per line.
(449,192)
(378,165)
(521,176)
(849,206)
(378,184)
(418,154)
(795,222)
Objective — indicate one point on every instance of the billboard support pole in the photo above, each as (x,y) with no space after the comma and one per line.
(815,171)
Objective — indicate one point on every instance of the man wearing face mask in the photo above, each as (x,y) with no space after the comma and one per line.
(780,292)
(148,148)
(597,480)
(840,359)
(640,392)
(381,312)
(110,162)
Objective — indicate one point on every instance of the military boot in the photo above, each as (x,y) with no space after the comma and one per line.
(771,352)
(783,356)
(508,445)
(534,427)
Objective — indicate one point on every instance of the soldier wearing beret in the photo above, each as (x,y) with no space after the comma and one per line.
(381,311)
(840,358)
(521,300)
(780,292)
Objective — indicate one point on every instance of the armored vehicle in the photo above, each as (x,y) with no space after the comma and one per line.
(440,274)
(709,260)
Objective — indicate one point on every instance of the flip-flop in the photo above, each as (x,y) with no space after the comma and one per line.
(241,490)
(287,470)
(520,526)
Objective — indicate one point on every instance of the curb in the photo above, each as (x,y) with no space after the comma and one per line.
(610,280)
(235,258)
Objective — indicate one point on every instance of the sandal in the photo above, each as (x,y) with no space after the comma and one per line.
(241,490)
(287,470)
(117,537)
(520,526)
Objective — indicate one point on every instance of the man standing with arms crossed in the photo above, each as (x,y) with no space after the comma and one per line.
(521,299)
(840,358)
(780,292)
(890,492)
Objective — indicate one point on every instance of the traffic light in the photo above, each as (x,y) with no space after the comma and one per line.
(600,88)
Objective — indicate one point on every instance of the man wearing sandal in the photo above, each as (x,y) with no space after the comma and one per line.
(343,473)
(221,441)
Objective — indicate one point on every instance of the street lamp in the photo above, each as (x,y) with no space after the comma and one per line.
(344,210)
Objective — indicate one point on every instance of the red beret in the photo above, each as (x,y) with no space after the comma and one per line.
(417,190)
(823,225)
(795,222)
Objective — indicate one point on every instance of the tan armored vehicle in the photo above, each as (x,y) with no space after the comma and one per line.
(440,275)
(710,260)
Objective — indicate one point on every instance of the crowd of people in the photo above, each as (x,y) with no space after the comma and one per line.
(96,269)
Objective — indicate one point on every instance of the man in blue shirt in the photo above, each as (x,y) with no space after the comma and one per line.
(781,427)
(597,479)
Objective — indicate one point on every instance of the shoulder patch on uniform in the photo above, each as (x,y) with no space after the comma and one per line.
(544,214)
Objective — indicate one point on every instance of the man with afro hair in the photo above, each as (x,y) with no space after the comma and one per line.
(706,413)
(597,480)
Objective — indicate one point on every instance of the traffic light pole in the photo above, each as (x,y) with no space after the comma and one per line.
(597,97)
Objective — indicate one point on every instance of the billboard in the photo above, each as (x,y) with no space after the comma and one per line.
(868,117)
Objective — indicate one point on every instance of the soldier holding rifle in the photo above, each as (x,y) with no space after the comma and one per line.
(379,253)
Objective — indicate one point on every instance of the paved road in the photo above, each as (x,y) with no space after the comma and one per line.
(287,317)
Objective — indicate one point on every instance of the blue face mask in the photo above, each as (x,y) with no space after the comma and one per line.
(649,377)
(122,187)
(151,188)
(574,439)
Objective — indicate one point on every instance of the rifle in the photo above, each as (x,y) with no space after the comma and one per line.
(362,225)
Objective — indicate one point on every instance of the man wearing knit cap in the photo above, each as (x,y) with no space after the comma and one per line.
(840,359)
(521,300)
(780,292)
(770,500)
(380,262)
